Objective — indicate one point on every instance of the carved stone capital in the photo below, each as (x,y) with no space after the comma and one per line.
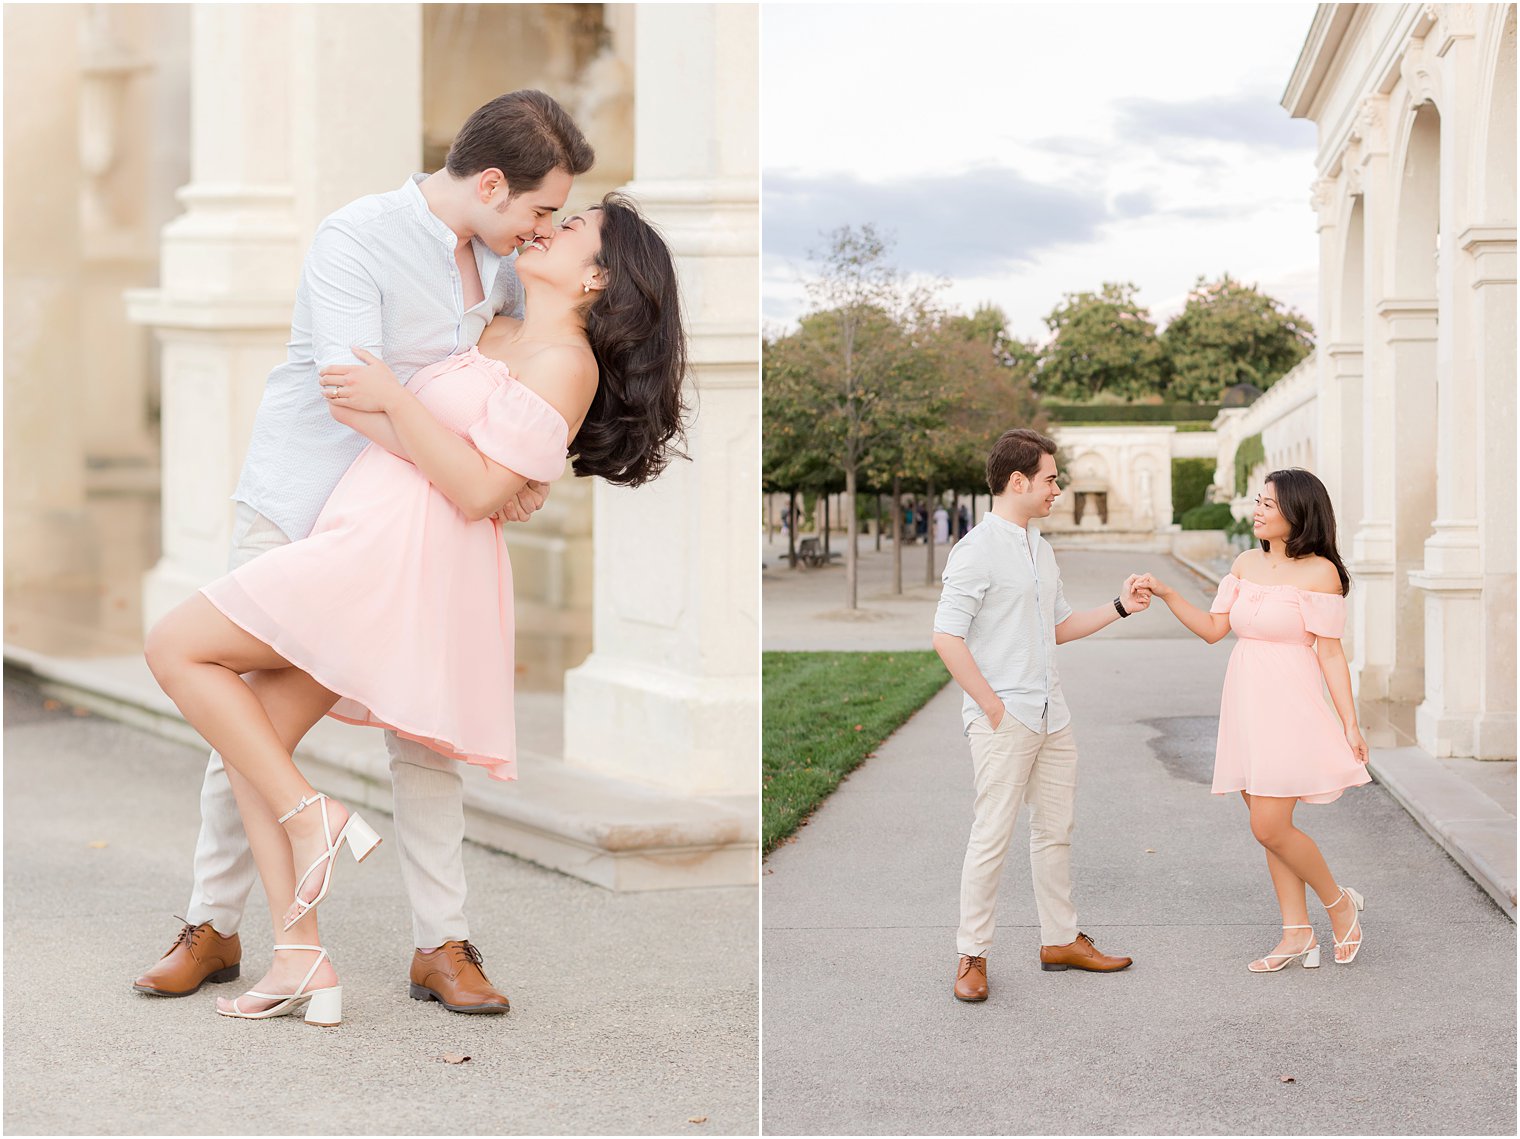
(1323,198)
(1416,72)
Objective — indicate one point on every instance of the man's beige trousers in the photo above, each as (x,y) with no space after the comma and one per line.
(1013,766)
(429,812)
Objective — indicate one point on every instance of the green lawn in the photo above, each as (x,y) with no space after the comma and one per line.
(824,714)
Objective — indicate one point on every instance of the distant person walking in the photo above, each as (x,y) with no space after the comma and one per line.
(941,525)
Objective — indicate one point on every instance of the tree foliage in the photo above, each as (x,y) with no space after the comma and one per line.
(1230,333)
(1102,344)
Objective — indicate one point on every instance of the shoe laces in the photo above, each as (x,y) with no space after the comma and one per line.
(469,951)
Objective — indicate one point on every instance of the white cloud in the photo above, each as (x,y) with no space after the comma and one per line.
(1136,143)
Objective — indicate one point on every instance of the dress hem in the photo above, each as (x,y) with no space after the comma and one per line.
(492,764)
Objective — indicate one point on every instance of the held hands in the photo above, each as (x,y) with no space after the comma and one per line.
(1152,585)
(1358,745)
(1136,595)
(370,386)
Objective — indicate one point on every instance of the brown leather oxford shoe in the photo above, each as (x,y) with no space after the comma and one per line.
(971,979)
(199,954)
(452,976)
(1080,954)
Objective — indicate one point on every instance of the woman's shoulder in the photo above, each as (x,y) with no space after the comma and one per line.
(1319,575)
(1244,561)
(563,376)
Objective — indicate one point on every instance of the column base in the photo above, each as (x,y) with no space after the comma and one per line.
(692,735)
(1494,736)
(1443,736)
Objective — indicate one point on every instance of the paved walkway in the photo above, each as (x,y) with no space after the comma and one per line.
(861,1032)
(632,1013)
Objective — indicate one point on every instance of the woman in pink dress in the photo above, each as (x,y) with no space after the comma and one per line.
(1279,741)
(396,610)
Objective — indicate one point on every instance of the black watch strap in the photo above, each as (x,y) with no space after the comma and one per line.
(1122,611)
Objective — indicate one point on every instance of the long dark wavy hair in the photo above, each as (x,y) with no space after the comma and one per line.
(636,422)
(1305,506)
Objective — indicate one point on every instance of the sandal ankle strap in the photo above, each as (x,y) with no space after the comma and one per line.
(301,806)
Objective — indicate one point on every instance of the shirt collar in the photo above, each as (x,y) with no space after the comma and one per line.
(412,188)
(998,521)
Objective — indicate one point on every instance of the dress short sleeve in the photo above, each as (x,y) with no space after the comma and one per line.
(522,431)
(1229,589)
(1324,613)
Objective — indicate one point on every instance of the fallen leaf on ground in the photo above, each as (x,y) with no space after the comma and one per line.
(453,1057)
(1287,1079)
(697,1119)
(97,845)
(81,711)
(51,705)
(1148,850)
(860,727)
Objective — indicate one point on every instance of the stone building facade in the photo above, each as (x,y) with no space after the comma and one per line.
(1415,202)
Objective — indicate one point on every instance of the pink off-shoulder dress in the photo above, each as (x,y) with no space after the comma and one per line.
(1278,734)
(398,602)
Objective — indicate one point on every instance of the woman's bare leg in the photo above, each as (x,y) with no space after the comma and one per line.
(294,702)
(1289,888)
(199,657)
(1272,824)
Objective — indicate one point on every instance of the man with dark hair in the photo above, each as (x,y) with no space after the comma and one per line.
(1001,614)
(411,276)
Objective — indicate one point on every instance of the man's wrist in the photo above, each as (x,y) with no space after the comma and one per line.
(1119,608)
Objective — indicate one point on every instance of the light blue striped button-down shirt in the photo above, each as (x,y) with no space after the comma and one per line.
(380,275)
(1002,594)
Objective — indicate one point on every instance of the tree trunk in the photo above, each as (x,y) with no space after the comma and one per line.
(851,528)
(770,519)
(897,535)
(955,517)
(826,528)
(929,534)
(878,522)
(791,529)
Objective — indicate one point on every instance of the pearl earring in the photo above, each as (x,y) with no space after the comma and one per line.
(585,287)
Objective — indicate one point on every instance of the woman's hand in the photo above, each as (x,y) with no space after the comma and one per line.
(1155,585)
(1358,745)
(370,386)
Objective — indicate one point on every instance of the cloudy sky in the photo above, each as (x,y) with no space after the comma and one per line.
(1025,151)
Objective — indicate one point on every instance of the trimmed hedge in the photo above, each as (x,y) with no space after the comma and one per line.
(1214,516)
(1190,479)
(1131,413)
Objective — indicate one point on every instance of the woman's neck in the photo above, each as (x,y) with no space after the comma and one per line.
(549,315)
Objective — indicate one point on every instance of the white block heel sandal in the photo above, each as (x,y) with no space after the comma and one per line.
(359,835)
(1310,956)
(324,1007)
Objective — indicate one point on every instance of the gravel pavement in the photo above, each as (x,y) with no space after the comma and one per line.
(631,1013)
(862,1034)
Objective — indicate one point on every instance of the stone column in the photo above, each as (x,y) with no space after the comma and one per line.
(670,694)
(1371,553)
(1409,467)
(1492,250)
(1451,570)
(294,111)
(116,136)
(45,532)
